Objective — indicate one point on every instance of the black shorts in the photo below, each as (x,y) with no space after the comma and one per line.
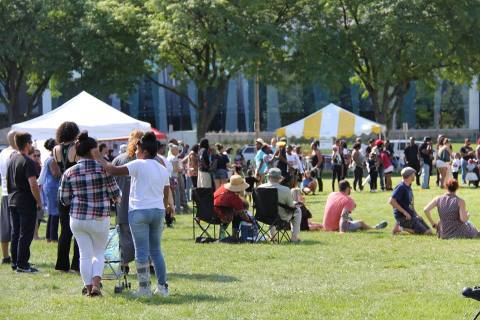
(416,223)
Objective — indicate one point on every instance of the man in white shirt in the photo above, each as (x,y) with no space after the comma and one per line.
(5,224)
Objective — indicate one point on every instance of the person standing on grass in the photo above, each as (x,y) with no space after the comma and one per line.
(403,206)
(89,191)
(24,201)
(65,156)
(5,224)
(453,215)
(148,202)
(318,163)
(359,163)
(127,250)
(466,153)
(336,164)
(426,153)
(49,181)
(412,160)
(338,210)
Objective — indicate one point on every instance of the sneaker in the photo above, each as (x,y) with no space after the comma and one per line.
(473,293)
(28,270)
(7,260)
(381,225)
(397,229)
(162,290)
(14,267)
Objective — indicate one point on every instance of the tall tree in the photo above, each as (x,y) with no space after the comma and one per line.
(35,47)
(386,44)
(91,45)
(210,41)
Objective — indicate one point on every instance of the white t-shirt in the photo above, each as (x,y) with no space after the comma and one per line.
(148,181)
(175,163)
(5,156)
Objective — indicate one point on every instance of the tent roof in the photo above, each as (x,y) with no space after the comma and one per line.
(89,113)
(331,121)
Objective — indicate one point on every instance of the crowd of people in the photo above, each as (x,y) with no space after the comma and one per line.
(80,183)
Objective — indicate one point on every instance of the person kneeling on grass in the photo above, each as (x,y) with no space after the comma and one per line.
(309,184)
(338,209)
(402,202)
(307,224)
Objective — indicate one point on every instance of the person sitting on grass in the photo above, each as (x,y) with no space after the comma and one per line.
(338,209)
(274,176)
(453,214)
(309,183)
(229,206)
(402,202)
(307,224)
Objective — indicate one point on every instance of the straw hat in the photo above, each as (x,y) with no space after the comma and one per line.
(236,184)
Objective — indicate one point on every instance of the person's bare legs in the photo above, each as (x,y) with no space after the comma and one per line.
(364,226)
(5,252)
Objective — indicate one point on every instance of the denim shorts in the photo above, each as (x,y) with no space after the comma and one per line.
(221,174)
(415,223)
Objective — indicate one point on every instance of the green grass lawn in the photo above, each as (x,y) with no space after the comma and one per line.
(369,275)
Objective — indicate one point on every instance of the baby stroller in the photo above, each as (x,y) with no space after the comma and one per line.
(472,173)
(113,270)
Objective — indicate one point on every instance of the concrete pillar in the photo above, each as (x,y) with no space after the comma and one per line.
(246,102)
(47,101)
(273,113)
(231,119)
(473,106)
(437,101)
(192,94)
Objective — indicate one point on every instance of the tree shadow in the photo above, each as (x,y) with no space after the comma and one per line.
(176,299)
(203,277)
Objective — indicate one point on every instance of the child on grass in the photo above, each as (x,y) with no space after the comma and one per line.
(372,171)
(456,164)
(307,224)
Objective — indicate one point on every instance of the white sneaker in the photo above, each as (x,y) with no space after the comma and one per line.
(162,290)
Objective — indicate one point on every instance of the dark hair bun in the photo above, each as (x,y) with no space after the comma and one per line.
(83,136)
(49,144)
(149,137)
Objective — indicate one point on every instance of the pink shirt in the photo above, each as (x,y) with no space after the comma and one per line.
(336,202)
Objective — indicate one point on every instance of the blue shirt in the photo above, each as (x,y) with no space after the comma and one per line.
(258,160)
(404,196)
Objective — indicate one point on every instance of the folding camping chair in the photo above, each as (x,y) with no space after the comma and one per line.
(203,213)
(265,206)
(113,270)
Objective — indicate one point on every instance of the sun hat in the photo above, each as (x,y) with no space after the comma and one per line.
(236,184)
(260,140)
(281,143)
(274,173)
(407,172)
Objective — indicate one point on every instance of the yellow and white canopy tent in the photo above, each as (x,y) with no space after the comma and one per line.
(331,122)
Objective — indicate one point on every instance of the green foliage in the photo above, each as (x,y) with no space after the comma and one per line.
(386,44)
(90,45)
(210,41)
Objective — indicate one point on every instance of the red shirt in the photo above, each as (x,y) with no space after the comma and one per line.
(226,199)
(385,159)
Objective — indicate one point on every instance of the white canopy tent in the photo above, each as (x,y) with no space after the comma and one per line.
(102,121)
(331,122)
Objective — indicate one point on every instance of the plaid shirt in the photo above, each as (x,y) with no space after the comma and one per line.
(88,189)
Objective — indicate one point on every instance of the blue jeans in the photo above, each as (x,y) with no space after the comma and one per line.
(426,176)
(464,169)
(381,175)
(147,226)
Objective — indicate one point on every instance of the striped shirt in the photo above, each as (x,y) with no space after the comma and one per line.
(88,190)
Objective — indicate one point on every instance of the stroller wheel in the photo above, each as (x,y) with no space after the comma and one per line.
(118,289)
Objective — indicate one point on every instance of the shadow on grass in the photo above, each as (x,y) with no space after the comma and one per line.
(203,277)
(176,299)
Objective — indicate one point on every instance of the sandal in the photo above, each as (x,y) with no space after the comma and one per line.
(95,292)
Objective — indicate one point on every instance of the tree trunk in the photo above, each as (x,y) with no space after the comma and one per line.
(208,109)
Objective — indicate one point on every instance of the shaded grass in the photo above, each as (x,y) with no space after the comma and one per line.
(371,275)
